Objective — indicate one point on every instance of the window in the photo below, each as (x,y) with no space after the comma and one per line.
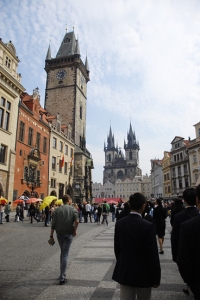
(54,142)
(38,175)
(174,157)
(65,168)
(178,157)
(53,183)
(8,62)
(81,112)
(71,152)
(194,158)
(21,131)
(45,145)
(179,170)
(3,154)
(196,176)
(130,155)
(66,149)
(185,169)
(53,163)
(181,155)
(180,184)
(5,107)
(176,145)
(61,146)
(67,40)
(38,140)
(186,182)
(30,136)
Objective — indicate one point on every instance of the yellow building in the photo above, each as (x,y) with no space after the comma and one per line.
(10,90)
(167,189)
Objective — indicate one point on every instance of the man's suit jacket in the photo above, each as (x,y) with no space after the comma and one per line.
(136,252)
(188,259)
(179,218)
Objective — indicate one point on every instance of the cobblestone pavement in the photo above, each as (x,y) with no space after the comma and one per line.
(29,267)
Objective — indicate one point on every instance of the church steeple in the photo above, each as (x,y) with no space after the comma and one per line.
(48,53)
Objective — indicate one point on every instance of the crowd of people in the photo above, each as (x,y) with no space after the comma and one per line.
(185,234)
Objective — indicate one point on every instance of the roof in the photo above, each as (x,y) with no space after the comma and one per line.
(68,45)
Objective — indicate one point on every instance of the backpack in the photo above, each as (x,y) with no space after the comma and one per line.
(104,208)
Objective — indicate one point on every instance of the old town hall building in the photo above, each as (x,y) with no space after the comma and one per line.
(119,165)
(66,94)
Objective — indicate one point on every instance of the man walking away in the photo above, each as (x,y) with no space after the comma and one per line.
(190,211)
(137,267)
(188,259)
(64,222)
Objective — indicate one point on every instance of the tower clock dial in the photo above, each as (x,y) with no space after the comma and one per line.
(61,74)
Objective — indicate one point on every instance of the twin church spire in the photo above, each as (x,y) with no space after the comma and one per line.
(132,143)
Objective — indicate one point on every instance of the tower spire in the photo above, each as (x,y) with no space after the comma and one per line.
(86,64)
(49,52)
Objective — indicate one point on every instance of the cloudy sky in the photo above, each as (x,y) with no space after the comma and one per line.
(144,59)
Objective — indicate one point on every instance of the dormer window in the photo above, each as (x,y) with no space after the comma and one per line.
(199,132)
(67,40)
(8,62)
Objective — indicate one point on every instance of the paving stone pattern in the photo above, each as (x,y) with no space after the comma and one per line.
(29,267)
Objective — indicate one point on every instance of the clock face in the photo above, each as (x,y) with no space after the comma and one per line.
(77,186)
(61,74)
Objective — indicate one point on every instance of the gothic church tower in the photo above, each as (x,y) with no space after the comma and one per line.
(118,165)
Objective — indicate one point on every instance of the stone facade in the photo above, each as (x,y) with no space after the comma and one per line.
(179,166)
(10,90)
(194,157)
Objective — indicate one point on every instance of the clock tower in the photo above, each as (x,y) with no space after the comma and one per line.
(66,86)
(66,94)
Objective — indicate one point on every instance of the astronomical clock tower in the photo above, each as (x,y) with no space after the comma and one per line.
(66,94)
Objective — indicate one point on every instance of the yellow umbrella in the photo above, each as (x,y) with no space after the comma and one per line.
(3,200)
(47,200)
(59,202)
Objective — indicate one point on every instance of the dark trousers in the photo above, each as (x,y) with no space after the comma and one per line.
(7,218)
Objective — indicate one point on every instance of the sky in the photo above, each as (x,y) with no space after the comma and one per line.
(144,60)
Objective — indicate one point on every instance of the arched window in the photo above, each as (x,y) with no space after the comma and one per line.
(109,157)
(130,155)
(120,174)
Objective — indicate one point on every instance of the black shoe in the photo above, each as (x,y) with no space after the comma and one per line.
(161,252)
(63,281)
(186,291)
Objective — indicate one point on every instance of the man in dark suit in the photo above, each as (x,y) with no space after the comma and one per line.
(137,267)
(188,259)
(190,211)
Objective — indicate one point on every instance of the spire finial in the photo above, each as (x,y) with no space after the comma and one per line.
(73,26)
(66,27)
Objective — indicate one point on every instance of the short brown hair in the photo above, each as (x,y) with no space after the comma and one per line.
(66,198)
